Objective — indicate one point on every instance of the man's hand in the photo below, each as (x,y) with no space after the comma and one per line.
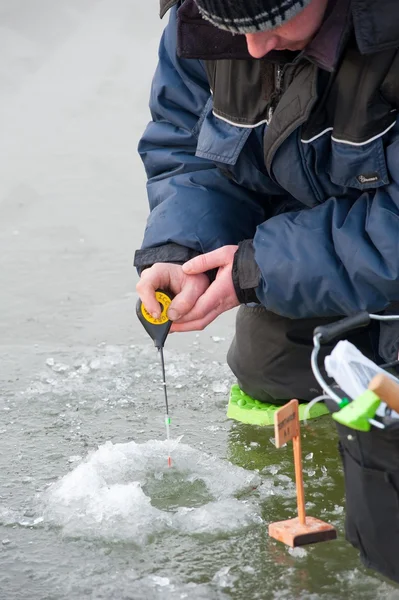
(187,289)
(219,297)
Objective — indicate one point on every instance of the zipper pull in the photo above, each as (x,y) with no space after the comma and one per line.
(275,98)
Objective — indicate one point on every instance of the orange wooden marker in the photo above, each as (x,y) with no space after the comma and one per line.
(301,530)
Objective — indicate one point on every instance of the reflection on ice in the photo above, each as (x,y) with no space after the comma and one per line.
(126,492)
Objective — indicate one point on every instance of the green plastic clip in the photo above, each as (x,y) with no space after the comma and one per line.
(344,402)
(358,413)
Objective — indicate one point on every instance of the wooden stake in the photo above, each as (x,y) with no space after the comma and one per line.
(300,492)
(302,530)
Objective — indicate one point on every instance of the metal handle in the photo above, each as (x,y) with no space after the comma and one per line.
(326,333)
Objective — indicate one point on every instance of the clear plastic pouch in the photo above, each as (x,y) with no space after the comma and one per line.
(353,372)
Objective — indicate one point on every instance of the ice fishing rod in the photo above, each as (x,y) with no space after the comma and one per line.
(158,330)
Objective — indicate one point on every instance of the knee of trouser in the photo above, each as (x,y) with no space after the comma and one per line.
(244,363)
(251,382)
(266,362)
(248,357)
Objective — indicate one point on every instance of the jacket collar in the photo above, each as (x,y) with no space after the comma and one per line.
(326,47)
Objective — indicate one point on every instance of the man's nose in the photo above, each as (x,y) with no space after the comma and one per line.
(259,44)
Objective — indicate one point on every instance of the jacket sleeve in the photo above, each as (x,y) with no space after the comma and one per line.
(194,207)
(335,259)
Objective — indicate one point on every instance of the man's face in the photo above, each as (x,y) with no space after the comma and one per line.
(293,35)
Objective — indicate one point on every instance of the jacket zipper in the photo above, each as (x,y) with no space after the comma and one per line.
(278,79)
(278,86)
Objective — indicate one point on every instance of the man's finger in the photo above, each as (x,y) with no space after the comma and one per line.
(206,262)
(146,291)
(209,302)
(197,325)
(186,299)
(151,280)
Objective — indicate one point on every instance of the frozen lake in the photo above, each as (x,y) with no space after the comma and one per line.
(88,507)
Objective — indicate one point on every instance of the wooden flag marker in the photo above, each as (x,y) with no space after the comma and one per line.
(301,530)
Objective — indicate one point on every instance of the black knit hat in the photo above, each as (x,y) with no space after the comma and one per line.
(250,16)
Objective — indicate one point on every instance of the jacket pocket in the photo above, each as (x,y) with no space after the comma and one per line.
(236,152)
(218,140)
(372,514)
(358,166)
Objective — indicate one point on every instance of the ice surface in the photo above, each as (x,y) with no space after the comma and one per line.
(220,387)
(224,578)
(120,375)
(225,516)
(154,587)
(10,518)
(107,496)
(298,552)
(161,581)
(281,485)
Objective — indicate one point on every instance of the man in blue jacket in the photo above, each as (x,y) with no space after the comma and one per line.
(273,180)
(273,177)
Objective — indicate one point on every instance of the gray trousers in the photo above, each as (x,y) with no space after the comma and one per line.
(270,354)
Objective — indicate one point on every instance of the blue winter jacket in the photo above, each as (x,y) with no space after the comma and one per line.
(320,210)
